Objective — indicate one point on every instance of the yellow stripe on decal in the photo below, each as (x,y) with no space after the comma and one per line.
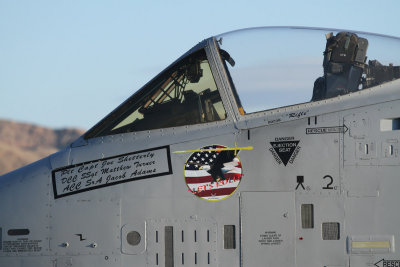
(370,244)
(236,148)
(216,149)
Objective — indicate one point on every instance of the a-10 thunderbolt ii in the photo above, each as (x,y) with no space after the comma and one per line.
(259,147)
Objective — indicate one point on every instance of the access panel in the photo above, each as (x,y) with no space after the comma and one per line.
(268,229)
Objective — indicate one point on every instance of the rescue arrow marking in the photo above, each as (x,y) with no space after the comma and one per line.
(217,149)
(327,130)
(384,263)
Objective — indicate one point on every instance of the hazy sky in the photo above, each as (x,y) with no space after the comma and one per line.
(70,63)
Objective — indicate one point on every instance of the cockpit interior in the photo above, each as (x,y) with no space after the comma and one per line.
(346,70)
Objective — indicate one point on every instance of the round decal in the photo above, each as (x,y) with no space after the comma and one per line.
(213,172)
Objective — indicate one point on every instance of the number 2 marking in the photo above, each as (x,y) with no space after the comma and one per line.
(329,185)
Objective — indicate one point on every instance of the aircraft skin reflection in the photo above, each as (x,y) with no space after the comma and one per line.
(182,174)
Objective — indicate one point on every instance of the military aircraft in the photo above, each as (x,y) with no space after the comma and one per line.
(274,146)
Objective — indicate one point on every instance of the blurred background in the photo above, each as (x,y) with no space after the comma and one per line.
(64,65)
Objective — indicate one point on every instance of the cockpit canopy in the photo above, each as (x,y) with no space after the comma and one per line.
(268,68)
(280,66)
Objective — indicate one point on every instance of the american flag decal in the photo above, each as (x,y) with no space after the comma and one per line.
(213,175)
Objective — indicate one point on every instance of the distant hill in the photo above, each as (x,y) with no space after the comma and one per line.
(23,143)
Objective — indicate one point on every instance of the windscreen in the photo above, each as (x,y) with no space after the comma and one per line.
(184,94)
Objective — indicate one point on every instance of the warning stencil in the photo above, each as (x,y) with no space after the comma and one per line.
(285,151)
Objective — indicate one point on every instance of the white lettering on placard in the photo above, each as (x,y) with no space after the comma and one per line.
(105,172)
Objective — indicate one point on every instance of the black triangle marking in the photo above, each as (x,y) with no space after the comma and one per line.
(284,149)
